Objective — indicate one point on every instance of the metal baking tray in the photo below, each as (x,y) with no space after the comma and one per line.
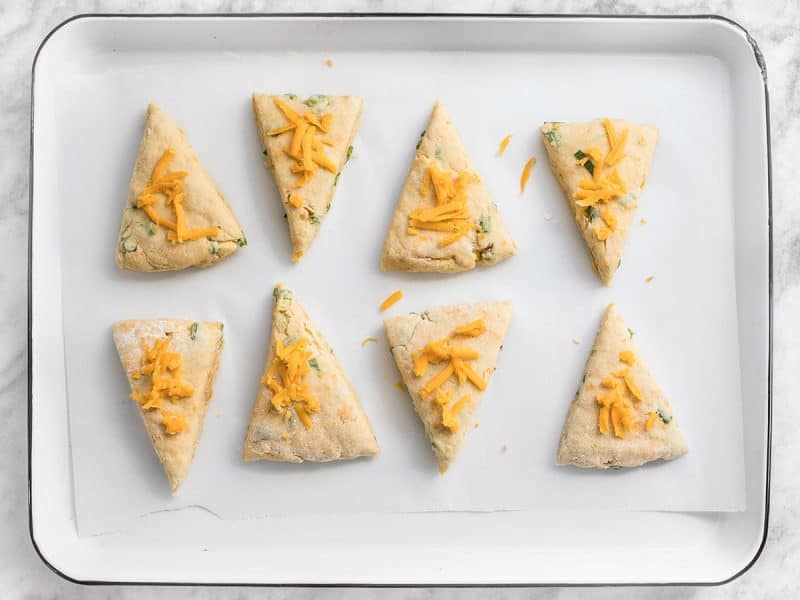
(459,548)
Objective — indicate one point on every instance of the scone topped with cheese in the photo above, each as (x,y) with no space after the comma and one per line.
(175,217)
(446,356)
(306,143)
(171,365)
(619,417)
(306,408)
(445,221)
(602,167)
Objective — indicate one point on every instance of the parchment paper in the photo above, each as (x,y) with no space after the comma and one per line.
(685,319)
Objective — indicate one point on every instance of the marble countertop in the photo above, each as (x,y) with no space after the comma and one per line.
(776,27)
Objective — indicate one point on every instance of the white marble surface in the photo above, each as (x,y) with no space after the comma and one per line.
(776,27)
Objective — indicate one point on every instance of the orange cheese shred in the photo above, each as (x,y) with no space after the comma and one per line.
(174,423)
(285,377)
(465,370)
(193,234)
(171,186)
(526,174)
(473,329)
(621,418)
(151,213)
(602,187)
(615,407)
(609,383)
(391,300)
(457,358)
(280,130)
(367,340)
(305,147)
(617,143)
(603,419)
(609,218)
(602,233)
(616,421)
(651,420)
(420,362)
(504,144)
(633,388)
(608,398)
(450,213)
(450,411)
(437,380)
(164,368)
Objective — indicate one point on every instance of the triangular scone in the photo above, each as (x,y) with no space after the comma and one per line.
(168,179)
(306,144)
(306,408)
(181,358)
(602,181)
(445,220)
(619,417)
(446,356)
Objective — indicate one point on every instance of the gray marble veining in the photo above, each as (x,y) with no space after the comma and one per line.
(776,27)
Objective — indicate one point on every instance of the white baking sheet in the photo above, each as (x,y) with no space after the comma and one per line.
(685,320)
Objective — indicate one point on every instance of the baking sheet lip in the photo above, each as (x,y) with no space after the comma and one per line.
(760,62)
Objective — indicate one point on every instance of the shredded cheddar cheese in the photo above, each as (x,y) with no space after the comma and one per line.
(609,218)
(603,419)
(622,416)
(399,385)
(603,187)
(450,214)
(306,146)
(392,299)
(651,420)
(164,369)
(473,329)
(457,358)
(599,190)
(170,185)
(602,232)
(173,422)
(504,144)
(632,387)
(526,174)
(609,383)
(367,340)
(285,378)
(616,413)
(450,411)
(617,143)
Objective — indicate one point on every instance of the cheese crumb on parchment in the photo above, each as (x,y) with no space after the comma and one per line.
(391,300)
